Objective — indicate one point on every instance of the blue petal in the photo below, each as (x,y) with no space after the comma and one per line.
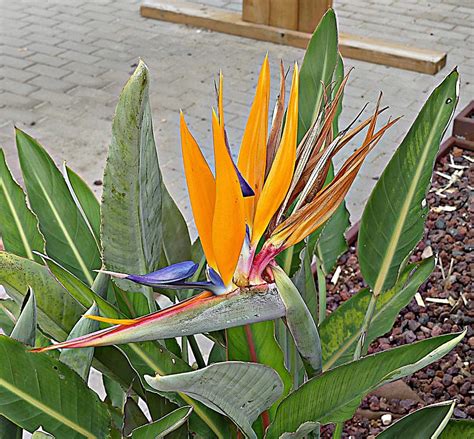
(167,275)
(247,191)
(215,279)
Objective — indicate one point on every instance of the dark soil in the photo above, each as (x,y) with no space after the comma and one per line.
(448,236)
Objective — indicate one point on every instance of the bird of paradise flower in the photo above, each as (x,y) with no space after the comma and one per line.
(247,213)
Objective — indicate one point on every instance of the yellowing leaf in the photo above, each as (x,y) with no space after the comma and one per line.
(126,322)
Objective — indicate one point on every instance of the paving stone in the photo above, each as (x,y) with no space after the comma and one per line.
(53,72)
(86,80)
(47,49)
(17,87)
(18,63)
(13,100)
(53,61)
(100,42)
(48,83)
(16,74)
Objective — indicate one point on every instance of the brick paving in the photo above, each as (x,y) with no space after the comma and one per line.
(63,65)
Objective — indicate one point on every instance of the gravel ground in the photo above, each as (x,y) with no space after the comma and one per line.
(447,297)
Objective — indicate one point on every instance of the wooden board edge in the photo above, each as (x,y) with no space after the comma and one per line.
(354,47)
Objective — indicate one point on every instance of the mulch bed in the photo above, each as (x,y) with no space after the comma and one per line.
(448,306)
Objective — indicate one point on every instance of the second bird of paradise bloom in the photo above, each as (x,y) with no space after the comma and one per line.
(248,212)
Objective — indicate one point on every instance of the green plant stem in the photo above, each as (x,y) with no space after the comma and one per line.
(101,284)
(196,351)
(365,326)
(288,260)
(293,363)
(184,349)
(151,300)
(338,430)
(322,293)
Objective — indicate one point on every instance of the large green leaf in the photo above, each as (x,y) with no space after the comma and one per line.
(148,358)
(300,322)
(80,360)
(80,291)
(164,426)
(393,219)
(41,435)
(57,310)
(176,240)
(317,71)
(85,200)
(131,198)
(24,332)
(332,242)
(9,312)
(25,327)
(238,390)
(304,282)
(144,358)
(341,329)
(37,390)
(458,428)
(335,395)
(425,423)
(68,238)
(257,343)
(18,225)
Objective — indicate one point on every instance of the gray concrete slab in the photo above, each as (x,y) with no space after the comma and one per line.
(62,67)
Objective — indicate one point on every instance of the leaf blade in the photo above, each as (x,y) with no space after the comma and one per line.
(341,329)
(315,401)
(131,198)
(60,221)
(259,387)
(164,425)
(18,224)
(37,393)
(427,422)
(393,219)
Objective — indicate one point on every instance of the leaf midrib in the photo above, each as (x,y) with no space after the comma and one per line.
(392,246)
(197,409)
(46,409)
(21,231)
(65,232)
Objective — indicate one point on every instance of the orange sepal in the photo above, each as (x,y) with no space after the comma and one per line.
(253,149)
(228,226)
(201,188)
(280,175)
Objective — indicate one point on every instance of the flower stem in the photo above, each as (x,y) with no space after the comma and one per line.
(338,430)
(288,260)
(184,349)
(322,293)
(196,351)
(365,326)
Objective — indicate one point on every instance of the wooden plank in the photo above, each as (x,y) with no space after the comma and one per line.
(310,13)
(284,14)
(364,49)
(256,11)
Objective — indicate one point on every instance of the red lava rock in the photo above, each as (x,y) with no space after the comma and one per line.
(453,390)
(447,379)
(451,239)
(465,388)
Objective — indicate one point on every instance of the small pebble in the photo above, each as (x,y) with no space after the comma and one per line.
(386,419)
